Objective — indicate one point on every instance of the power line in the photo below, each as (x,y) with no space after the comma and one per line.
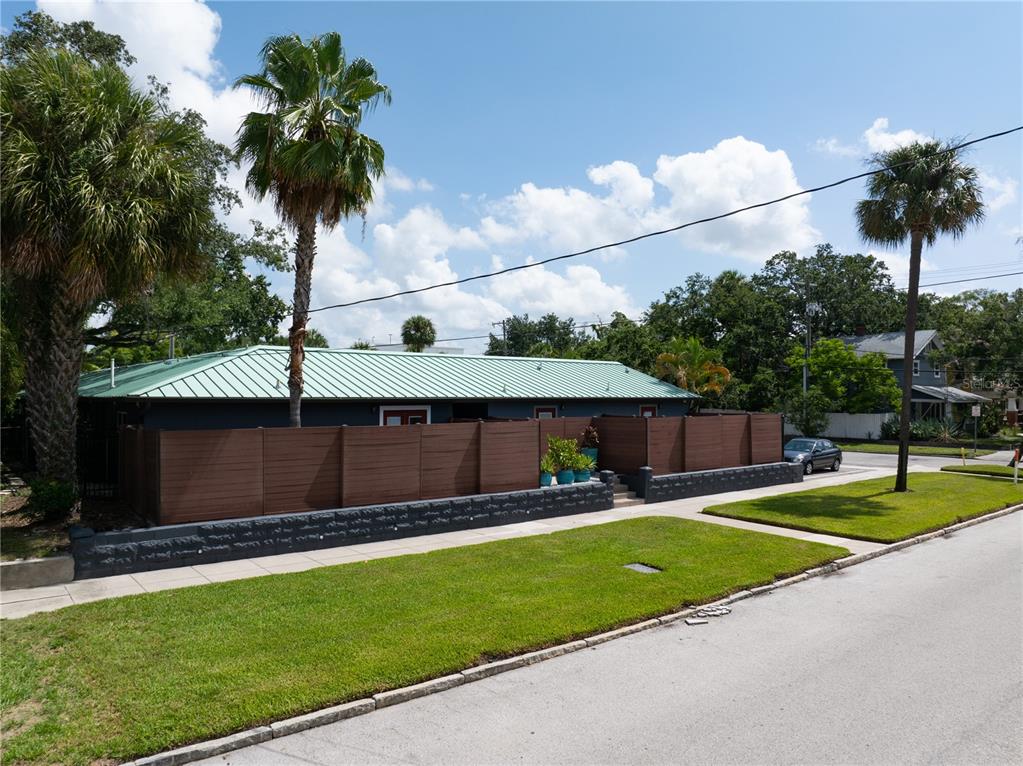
(661,232)
(972,279)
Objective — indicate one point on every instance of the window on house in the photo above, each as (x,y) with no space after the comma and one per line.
(545,412)
(648,410)
(404,416)
(916,367)
(937,372)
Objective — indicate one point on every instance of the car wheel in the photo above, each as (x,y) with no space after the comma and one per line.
(808,468)
(837,464)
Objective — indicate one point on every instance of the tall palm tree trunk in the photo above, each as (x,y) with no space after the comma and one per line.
(916,247)
(53,363)
(305,253)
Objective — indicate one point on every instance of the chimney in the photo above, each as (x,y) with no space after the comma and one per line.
(861,330)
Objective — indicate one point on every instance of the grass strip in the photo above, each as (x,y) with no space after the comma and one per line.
(914,449)
(130,676)
(982,470)
(870,510)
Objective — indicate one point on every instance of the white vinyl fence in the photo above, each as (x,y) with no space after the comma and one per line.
(842,425)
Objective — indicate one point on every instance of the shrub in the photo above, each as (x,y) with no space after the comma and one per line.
(808,412)
(890,428)
(547,464)
(591,439)
(51,500)
(563,452)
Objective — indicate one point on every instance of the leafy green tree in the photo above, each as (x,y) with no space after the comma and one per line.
(623,340)
(102,193)
(225,307)
(547,336)
(690,365)
(851,383)
(807,411)
(923,191)
(418,333)
(361,345)
(34,30)
(309,154)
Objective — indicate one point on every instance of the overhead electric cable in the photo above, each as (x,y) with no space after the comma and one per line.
(661,232)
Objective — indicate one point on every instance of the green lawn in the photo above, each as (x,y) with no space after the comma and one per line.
(870,510)
(130,676)
(914,449)
(982,470)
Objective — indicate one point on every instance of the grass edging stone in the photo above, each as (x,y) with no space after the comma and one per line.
(200,750)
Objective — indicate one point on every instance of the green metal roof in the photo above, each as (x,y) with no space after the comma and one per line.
(259,372)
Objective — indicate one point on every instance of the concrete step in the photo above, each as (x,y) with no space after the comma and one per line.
(626,502)
(625,494)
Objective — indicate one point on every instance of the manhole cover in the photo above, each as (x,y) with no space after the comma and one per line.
(642,568)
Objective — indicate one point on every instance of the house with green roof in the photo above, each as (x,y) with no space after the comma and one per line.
(248,388)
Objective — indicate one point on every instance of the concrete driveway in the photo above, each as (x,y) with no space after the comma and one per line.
(915,657)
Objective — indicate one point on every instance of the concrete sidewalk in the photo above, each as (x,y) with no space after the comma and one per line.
(19,603)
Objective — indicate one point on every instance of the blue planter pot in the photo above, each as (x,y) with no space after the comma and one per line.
(566,477)
(582,475)
(545,479)
(590,452)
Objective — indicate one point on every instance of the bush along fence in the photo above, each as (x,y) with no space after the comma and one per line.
(175,477)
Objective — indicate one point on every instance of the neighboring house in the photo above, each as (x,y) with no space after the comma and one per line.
(932,396)
(248,388)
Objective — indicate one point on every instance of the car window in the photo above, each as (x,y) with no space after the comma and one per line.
(827,444)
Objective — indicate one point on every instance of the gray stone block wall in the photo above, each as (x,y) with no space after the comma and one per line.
(657,489)
(138,550)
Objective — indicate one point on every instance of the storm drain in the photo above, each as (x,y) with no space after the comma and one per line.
(642,568)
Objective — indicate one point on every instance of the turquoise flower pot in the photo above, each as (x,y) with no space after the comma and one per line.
(545,479)
(566,477)
(581,475)
(590,452)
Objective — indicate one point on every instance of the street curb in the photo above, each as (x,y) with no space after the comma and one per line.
(258,734)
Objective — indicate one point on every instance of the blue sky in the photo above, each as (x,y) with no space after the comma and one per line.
(523,130)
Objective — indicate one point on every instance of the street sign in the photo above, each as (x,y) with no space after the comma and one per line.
(975,410)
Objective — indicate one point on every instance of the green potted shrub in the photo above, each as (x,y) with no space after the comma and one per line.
(562,452)
(547,469)
(591,441)
(581,467)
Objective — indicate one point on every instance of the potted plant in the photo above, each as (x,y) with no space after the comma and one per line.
(582,465)
(562,452)
(547,469)
(591,440)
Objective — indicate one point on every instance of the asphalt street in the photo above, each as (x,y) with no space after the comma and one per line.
(914,657)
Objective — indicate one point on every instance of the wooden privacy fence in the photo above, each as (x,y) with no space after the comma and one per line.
(184,476)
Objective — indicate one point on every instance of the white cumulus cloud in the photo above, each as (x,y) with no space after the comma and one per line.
(879,139)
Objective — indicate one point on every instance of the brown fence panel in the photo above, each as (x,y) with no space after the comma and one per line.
(765,441)
(451,459)
(665,445)
(735,440)
(574,427)
(150,477)
(380,464)
(550,427)
(301,469)
(509,456)
(622,443)
(210,474)
(703,443)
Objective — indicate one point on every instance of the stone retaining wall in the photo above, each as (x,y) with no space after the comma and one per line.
(138,550)
(675,486)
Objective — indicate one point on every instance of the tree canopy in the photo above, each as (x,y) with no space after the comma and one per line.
(418,333)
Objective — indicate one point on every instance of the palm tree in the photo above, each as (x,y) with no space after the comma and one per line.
(925,190)
(308,153)
(418,333)
(102,192)
(690,365)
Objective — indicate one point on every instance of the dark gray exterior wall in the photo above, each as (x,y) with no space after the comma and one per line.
(676,486)
(187,415)
(139,550)
(927,369)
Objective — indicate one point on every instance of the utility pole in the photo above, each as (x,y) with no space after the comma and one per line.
(504,337)
(812,308)
(170,349)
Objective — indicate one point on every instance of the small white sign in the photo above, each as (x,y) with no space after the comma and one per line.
(975,410)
